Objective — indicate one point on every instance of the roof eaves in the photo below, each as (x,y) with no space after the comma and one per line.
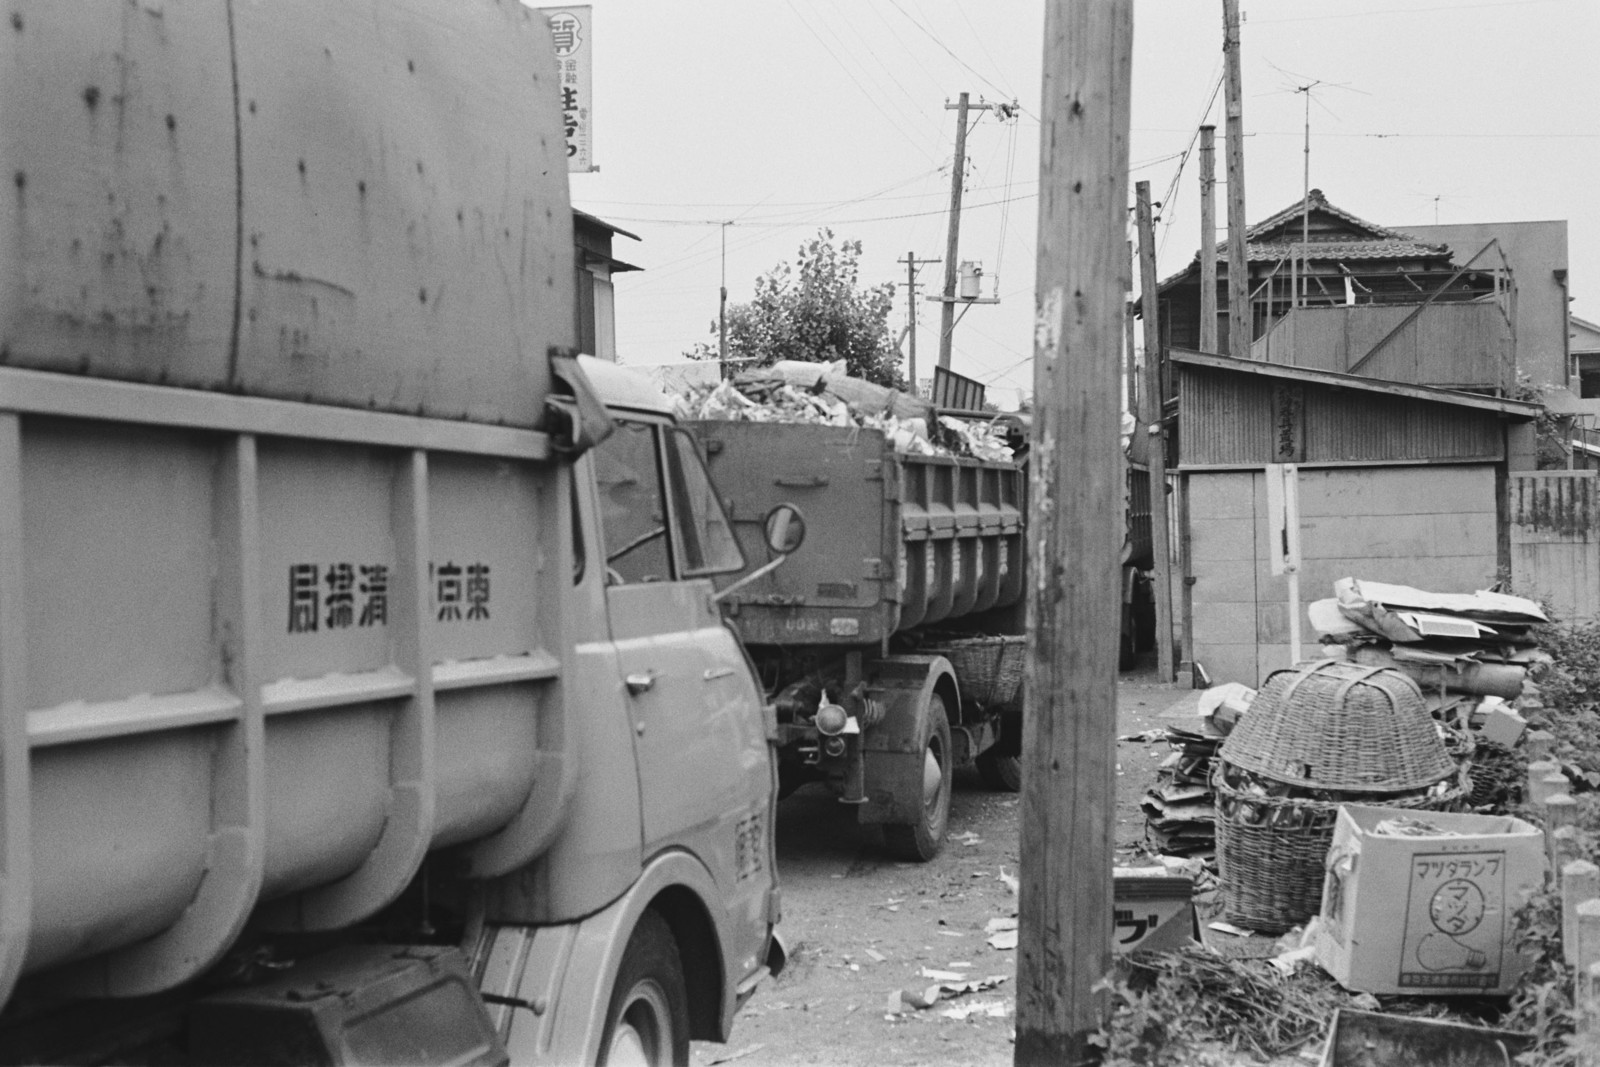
(1519,409)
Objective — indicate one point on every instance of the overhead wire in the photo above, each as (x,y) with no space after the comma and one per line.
(852,76)
(916,105)
(947,50)
(675,267)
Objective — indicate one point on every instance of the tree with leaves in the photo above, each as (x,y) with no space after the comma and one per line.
(815,311)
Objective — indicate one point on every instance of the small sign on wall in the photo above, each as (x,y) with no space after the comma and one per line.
(1283,517)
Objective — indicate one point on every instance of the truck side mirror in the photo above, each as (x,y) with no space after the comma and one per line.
(785,529)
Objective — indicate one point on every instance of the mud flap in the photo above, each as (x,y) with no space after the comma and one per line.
(903,686)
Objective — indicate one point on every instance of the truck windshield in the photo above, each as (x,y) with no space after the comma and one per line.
(706,541)
(633,509)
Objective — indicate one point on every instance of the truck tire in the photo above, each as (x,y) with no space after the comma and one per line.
(920,841)
(647,1023)
(1000,765)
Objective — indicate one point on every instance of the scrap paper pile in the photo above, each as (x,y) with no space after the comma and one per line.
(822,393)
(1180,813)
(1471,653)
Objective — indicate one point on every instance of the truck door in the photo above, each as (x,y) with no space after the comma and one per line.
(705,776)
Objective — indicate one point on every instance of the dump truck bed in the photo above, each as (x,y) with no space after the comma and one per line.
(893,541)
(282,550)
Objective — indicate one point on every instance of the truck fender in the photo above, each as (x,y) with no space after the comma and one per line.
(551,985)
(902,686)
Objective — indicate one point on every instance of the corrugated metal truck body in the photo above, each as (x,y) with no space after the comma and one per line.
(307,649)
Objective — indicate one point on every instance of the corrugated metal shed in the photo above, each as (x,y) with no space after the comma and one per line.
(1243,413)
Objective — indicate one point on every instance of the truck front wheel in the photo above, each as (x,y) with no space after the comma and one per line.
(647,1023)
(920,841)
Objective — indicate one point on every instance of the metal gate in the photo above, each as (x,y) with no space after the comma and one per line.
(1554,519)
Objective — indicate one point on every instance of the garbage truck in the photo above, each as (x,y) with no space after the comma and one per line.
(363,698)
(891,642)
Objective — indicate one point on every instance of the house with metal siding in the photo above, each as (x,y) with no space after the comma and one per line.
(1381,363)
(1398,483)
(1314,254)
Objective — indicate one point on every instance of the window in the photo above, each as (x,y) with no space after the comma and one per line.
(706,544)
(633,513)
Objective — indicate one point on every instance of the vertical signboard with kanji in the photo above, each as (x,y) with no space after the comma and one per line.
(572,29)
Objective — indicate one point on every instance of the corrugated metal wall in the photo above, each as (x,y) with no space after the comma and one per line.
(1232,418)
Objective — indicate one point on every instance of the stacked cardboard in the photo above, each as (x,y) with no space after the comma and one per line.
(1471,653)
(1180,811)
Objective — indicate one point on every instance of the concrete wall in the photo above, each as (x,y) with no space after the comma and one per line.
(1433,527)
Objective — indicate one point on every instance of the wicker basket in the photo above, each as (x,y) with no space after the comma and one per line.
(990,669)
(1272,850)
(1498,777)
(1336,725)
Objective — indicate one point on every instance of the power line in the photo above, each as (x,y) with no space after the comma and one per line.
(946,48)
(1452,8)
(852,76)
(779,223)
(1405,134)
(924,121)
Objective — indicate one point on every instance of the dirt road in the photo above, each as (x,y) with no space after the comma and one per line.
(861,927)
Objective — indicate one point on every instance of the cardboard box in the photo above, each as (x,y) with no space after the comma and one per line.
(1151,912)
(1501,724)
(1426,915)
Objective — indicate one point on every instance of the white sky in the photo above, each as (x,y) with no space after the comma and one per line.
(789,115)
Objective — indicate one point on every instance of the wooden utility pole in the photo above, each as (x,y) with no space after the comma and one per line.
(912,263)
(1075,535)
(958,173)
(1208,238)
(1132,369)
(1239,325)
(722,310)
(1153,423)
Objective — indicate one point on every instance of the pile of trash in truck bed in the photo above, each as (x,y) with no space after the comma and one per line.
(821,393)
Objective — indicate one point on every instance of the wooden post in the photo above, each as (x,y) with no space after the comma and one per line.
(1586,976)
(1152,416)
(1238,266)
(1588,982)
(1560,812)
(947,310)
(1564,845)
(1208,238)
(1075,536)
(1547,785)
(1128,343)
(1588,934)
(1540,744)
(1580,881)
(1537,769)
